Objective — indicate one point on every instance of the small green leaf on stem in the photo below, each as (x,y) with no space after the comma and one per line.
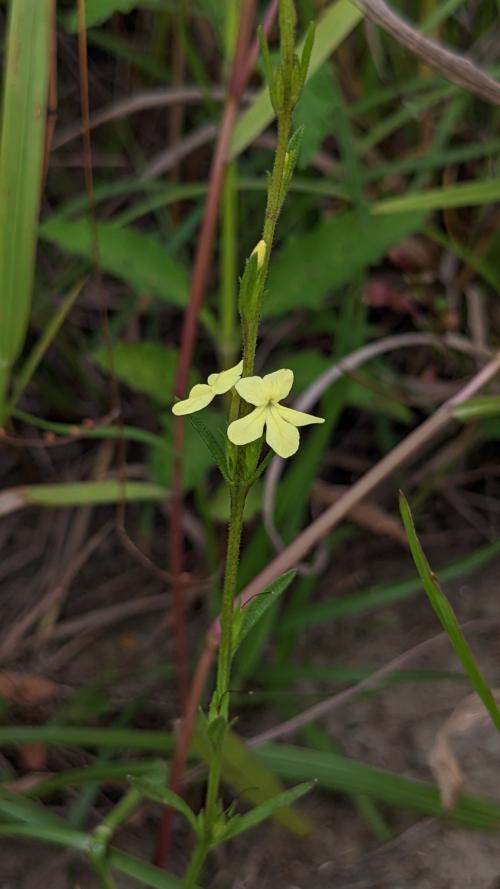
(248,615)
(165,796)
(240,823)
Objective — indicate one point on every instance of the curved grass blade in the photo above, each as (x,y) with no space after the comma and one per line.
(447,616)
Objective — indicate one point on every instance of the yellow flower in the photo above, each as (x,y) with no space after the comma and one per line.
(280,422)
(203,393)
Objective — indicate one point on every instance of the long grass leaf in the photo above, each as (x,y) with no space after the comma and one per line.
(21,159)
(447,616)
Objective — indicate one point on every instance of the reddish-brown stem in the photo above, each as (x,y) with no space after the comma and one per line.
(200,677)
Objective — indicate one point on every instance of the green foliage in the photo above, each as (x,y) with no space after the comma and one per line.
(98,11)
(335,24)
(315,113)
(136,258)
(146,367)
(246,774)
(338,773)
(337,249)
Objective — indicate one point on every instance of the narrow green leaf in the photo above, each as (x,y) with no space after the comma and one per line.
(21,158)
(335,772)
(254,610)
(59,836)
(214,441)
(48,336)
(244,822)
(102,772)
(477,408)
(134,257)
(165,796)
(79,494)
(464,194)
(334,25)
(447,616)
(17,807)
(92,737)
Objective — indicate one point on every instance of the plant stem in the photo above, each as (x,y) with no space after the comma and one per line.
(274,202)
(195,866)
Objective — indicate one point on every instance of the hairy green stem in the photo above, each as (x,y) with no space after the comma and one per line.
(274,202)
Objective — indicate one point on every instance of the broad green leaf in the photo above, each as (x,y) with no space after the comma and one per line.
(257,607)
(464,194)
(165,796)
(246,774)
(103,772)
(241,823)
(333,26)
(477,408)
(136,258)
(447,616)
(315,113)
(311,266)
(66,494)
(338,773)
(25,87)
(99,11)
(145,367)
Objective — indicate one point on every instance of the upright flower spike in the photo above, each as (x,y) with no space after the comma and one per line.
(203,393)
(279,422)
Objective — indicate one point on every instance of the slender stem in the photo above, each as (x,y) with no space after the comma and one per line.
(195,866)
(220,701)
(274,202)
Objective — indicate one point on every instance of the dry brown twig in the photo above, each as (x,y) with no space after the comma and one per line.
(451,65)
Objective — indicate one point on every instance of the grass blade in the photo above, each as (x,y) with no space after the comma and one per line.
(447,616)
(79,494)
(21,159)
(47,337)
(339,773)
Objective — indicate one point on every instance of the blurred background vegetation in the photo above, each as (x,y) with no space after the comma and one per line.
(390,228)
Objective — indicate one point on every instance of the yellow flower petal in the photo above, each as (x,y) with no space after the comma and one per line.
(278,384)
(248,428)
(253,390)
(260,252)
(281,436)
(226,379)
(297,418)
(199,397)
